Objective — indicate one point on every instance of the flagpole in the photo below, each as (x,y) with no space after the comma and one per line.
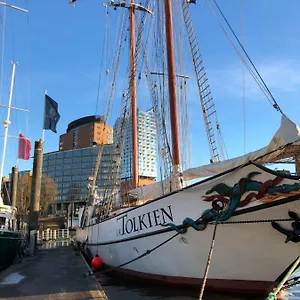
(43,133)
(6,124)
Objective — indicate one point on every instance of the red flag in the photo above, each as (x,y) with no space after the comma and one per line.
(24,147)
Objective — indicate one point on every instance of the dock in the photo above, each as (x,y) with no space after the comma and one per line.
(57,273)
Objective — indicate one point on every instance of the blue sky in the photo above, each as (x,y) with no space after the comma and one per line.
(58,48)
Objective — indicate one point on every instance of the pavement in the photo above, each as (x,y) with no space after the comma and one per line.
(57,273)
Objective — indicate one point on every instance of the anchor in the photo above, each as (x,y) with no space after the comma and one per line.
(291,235)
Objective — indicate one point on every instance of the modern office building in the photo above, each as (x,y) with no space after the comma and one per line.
(71,170)
(147,145)
(86,132)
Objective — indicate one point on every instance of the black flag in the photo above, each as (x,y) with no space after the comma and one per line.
(52,115)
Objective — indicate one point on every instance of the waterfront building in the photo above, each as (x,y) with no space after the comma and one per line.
(86,132)
(146,130)
(72,169)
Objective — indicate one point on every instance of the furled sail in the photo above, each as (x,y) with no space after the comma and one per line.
(282,145)
(287,135)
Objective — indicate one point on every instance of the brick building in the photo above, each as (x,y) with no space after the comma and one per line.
(86,132)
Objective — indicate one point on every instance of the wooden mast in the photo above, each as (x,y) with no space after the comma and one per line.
(133,7)
(172,85)
(133,96)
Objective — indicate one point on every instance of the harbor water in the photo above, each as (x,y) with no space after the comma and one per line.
(117,287)
(296,289)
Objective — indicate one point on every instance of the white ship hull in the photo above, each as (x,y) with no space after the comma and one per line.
(246,258)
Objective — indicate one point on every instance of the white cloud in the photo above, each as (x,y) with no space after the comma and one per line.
(280,75)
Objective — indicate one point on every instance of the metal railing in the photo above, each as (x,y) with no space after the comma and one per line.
(53,235)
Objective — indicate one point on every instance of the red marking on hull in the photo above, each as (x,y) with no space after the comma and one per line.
(253,287)
(215,197)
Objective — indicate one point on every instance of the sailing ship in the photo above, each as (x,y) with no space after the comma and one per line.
(163,231)
(11,238)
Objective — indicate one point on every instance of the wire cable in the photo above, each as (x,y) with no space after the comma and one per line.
(274,104)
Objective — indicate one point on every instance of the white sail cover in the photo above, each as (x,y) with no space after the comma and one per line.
(287,134)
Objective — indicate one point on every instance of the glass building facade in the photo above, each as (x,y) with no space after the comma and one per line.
(71,170)
(147,145)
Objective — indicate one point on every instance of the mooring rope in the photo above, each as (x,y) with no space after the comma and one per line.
(273,295)
(208,261)
(147,252)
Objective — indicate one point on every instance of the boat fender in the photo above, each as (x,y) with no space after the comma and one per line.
(96,262)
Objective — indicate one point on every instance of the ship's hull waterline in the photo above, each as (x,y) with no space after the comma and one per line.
(247,257)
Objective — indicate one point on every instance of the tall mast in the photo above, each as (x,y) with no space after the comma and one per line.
(132,7)
(7,121)
(172,85)
(133,96)
(6,124)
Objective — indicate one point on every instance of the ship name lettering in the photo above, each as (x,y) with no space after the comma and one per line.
(141,221)
(147,220)
(122,231)
(135,229)
(156,217)
(129,221)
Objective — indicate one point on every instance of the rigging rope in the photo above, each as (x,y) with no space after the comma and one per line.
(216,143)
(104,47)
(28,74)
(179,55)
(109,102)
(160,128)
(121,133)
(243,73)
(238,52)
(122,136)
(255,74)
(273,295)
(160,58)
(2,50)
